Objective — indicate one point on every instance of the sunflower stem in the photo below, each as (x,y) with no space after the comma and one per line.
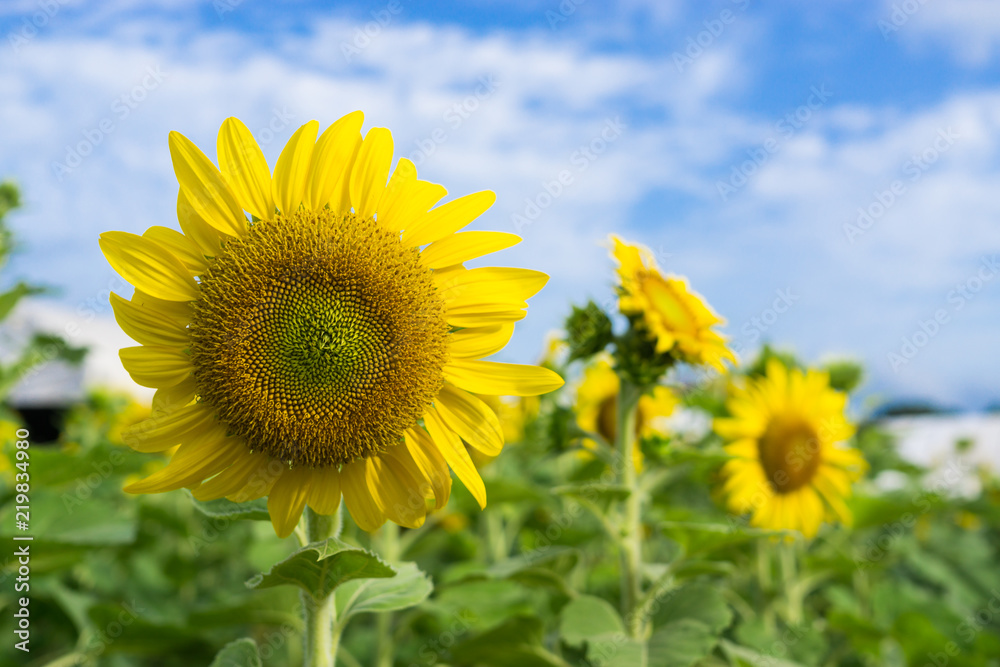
(790,582)
(319,615)
(631,534)
(389,547)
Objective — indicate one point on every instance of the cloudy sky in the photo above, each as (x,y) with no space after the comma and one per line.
(826,174)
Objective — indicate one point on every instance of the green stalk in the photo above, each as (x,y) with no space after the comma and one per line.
(791,583)
(319,615)
(631,537)
(389,546)
(496,537)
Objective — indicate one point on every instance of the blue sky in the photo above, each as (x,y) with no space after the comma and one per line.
(740,141)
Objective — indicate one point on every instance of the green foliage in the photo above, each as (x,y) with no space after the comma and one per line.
(588,331)
(320,568)
(221,508)
(408,587)
(42,347)
(534,580)
(845,375)
(240,653)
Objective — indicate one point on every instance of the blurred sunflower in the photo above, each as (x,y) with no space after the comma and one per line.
(788,469)
(327,346)
(677,318)
(8,428)
(597,407)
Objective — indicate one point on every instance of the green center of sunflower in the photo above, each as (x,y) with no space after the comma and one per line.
(319,338)
(790,453)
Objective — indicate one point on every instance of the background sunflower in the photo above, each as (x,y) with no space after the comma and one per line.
(790,468)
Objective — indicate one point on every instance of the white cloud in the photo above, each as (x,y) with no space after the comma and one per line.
(970,28)
(553,95)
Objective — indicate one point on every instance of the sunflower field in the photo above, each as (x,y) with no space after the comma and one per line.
(332,472)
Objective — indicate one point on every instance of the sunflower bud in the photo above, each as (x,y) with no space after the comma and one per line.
(588,331)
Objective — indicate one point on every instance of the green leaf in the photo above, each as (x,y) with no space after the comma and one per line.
(595,492)
(543,568)
(240,653)
(10,298)
(744,656)
(615,650)
(703,538)
(321,567)
(260,608)
(587,617)
(558,559)
(698,602)
(487,601)
(255,510)
(681,643)
(517,642)
(68,518)
(506,490)
(408,588)
(140,636)
(687,625)
(845,375)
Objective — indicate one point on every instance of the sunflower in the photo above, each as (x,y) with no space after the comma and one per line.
(597,407)
(788,469)
(677,318)
(330,343)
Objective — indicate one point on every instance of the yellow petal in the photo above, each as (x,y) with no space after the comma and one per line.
(148,266)
(403,176)
(245,169)
(208,238)
(333,159)
(406,198)
(480,342)
(432,465)
(455,454)
(812,511)
(486,315)
(448,218)
(471,419)
(170,399)
(358,498)
(178,312)
(291,173)
(193,462)
(371,171)
(163,431)
(260,480)
(147,326)
(496,379)
(324,490)
(458,248)
(155,367)
(180,247)
(287,500)
(233,482)
(206,190)
(489,285)
(395,484)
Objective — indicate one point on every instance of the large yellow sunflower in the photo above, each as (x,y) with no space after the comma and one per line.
(327,344)
(597,406)
(789,469)
(677,318)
